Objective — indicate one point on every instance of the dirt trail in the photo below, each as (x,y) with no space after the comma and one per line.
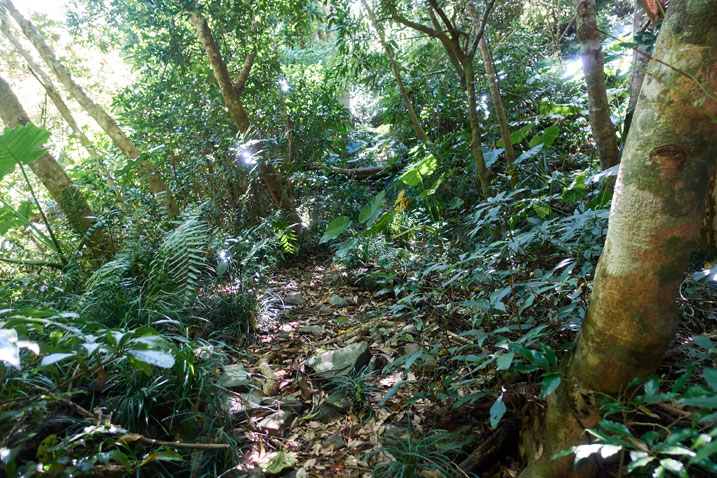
(306,311)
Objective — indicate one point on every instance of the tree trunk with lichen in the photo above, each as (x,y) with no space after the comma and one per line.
(593,70)
(654,226)
(106,122)
(54,178)
(231,92)
(499,110)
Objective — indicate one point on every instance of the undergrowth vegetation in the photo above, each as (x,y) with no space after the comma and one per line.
(114,341)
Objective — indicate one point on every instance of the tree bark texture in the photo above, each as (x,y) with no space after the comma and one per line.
(232,99)
(47,84)
(476,140)
(593,70)
(654,225)
(54,178)
(106,122)
(420,132)
(499,110)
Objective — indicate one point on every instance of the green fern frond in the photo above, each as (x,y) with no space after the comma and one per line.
(179,263)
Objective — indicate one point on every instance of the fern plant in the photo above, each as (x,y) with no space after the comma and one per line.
(178,265)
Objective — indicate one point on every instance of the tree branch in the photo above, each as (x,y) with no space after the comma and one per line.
(481,29)
(444,17)
(417,26)
(244,73)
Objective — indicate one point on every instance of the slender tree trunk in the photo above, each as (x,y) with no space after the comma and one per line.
(654,226)
(48,85)
(499,111)
(476,148)
(593,70)
(106,122)
(639,65)
(420,132)
(233,101)
(54,178)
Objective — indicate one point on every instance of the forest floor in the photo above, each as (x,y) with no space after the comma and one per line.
(294,421)
(336,427)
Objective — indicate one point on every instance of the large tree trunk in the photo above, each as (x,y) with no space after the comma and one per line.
(233,101)
(420,132)
(593,70)
(54,178)
(106,122)
(47,84)
(499,110)
(654,226)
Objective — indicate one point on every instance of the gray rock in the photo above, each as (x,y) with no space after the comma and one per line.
(334,442)
(311,329)
(411,348)
(247,403)
(235,377)
(325,309)
(283,403)
(296,299)
(338,301)
(276,423)
(340,362)
(339,402)
(326,414)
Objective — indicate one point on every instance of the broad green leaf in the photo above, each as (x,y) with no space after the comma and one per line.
(517,136)
(703,341)
(278,461)
(528,154)
(157,358)
(497,410)
(414,173)
(22,143)
(335,228)
(54,358)
(551,381)
(707,401)
(9,350)
(711,377)
(674,466)
(490,156)
(370,211)
(380,225)
(504,360)
(546,138)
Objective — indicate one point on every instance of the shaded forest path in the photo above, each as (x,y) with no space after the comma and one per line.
(302,422)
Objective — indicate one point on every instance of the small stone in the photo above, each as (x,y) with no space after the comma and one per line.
(311,329)
(411,348)
(276,423)
(340,362)
(235,377)
(296,299)
(246,403)
(326,414)
(334,442)
(338,301)
(339,402)
(283,403)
